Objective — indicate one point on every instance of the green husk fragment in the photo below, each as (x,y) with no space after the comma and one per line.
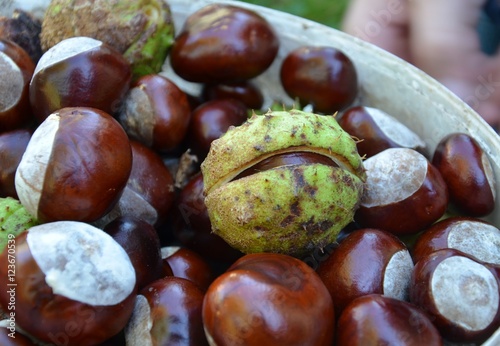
(143,31)
(14,219)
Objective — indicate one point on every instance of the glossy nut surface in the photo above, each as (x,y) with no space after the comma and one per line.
(12,147)
(152,181)
(210,120)
(17,70)
(78,290)
(377,319)
(156,112)
(404,192)
(142,244)
(459,293)
(223,43)
(467,171)
(79,72)
(167,312)
(472,236)
(75,167)
(268,299)
(377,131)
(187,264)
(245,91)
(367,261)
(323,77)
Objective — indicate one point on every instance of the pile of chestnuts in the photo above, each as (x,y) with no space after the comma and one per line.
(134,212)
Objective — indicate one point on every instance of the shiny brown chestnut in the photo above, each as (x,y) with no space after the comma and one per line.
(12,147)
(167,312)
(376,319)
(378,130)
(459,293)
(191,224)
(245,91)
(468,173)
(404,192)
(79,72)
(75,167)
(149,193)
(470,235)
(187,264)
(75,285)
(271,299)
(142,244)
(367,261)
(17,70)
(211,120)
(156,112)
(324,77)
(223,43)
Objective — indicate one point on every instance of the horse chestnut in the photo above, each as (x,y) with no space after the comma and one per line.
(223,43)
(404,192)
(79,72)
(75,167)
(74,284)
(468,173)
(271,299)
(289,207)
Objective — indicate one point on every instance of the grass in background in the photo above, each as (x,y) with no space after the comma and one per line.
(328,12)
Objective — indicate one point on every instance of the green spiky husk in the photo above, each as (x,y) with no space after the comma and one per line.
(289,209)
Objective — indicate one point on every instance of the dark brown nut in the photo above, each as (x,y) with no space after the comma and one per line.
(323,77)
(377,131)
(17,70)
(142,244)
(459,293)
(167,312)
(149,193)
(376,319)
(223,43)
(472,236)
(210,120)
(187,264)
(269,299)
(404,192)
(12,147)
(75,167)
(75,284)
(467,171)
(156,112)
(79,72)
(245,92)
(367,261)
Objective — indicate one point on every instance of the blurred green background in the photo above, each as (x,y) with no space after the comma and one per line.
(328,12)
